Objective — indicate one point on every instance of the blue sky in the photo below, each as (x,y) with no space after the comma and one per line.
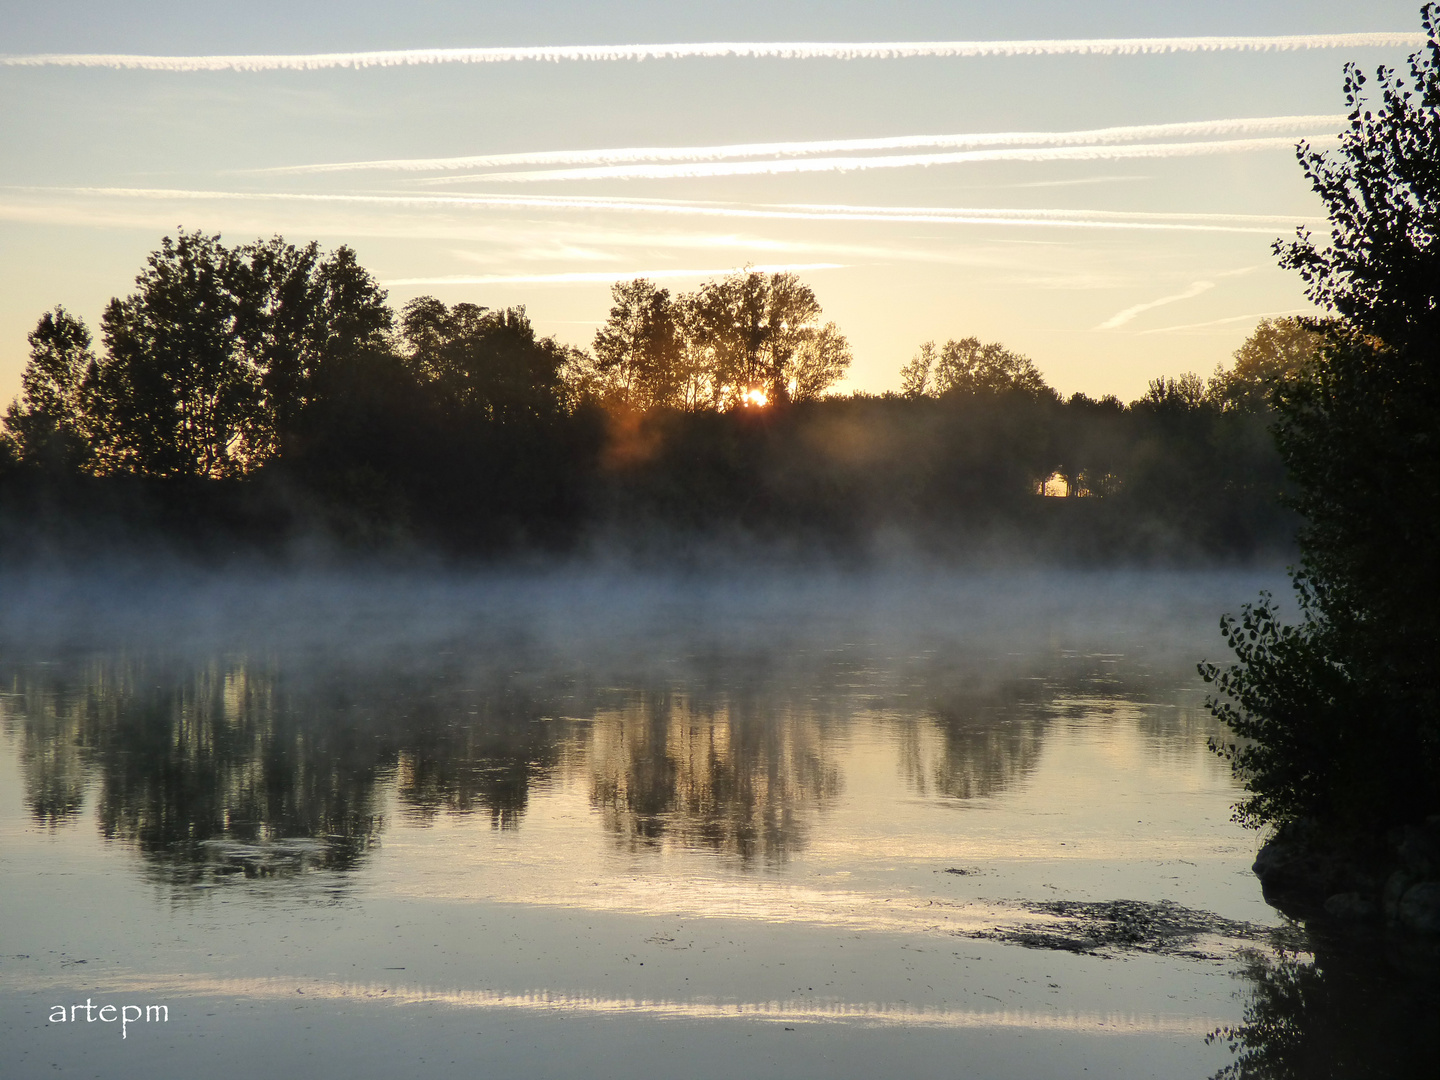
(1108,214)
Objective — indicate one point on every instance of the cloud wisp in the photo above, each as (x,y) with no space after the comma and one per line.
(1081,219)
(792,50)
(1222,325)
(696,170)
(648,154)
(581,277)
(1120,318)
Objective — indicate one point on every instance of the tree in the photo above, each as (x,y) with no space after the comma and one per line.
(821,360)
(484,364)
(1174,395)
(176,394)
(1277,349)
(1339,712)
(967,368)
(304,313)
(751,327)
(915,376)
(639,352)
(214,362)
(49,420)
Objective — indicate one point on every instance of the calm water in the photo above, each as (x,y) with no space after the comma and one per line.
(599,825)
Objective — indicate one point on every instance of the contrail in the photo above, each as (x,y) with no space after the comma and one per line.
(690,170)
(1256,317)
(792,50)
(603,276)
(1092,219)
(1122,317)
(626,155)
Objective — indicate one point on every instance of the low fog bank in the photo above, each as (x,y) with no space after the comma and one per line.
(262,724)
(611,613)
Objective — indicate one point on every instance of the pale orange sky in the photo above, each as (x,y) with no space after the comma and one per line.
(1107,213)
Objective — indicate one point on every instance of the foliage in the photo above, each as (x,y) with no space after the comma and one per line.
(1343,709)
(1348,1013)
(822,357)
(1186,392)
(50,422)
(212,363)
(266,390)
(967,367)
(746,333)
(1277,350)
(640,351)
(484,364)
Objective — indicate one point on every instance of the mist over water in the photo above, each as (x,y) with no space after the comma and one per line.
(598,812)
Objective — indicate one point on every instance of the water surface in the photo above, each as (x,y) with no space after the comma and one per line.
(600,824)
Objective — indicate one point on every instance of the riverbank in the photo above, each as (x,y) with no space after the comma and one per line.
(1391,882)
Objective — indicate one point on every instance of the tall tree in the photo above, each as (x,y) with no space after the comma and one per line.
(966,368)
(640,351)
(177,395)
(821,360)
(301,313)
(753,325)
(1277,349)
(485,364)
(1340,711)
(212,363)
(50,419)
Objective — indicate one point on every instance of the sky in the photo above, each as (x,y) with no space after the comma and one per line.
(1106,209)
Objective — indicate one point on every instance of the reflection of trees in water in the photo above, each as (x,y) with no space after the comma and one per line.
(975,741)
(1348,1014)
(200,765)
(263,767)
(270,763)
(42,720)
(488,760)
(232,765)
(745,776)
(982,724)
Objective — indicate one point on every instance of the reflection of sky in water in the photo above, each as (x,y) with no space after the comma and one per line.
(703,809)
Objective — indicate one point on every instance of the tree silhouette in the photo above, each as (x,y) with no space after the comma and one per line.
(968,368)
(640,352)
(484,364)
(1276,350)
(1339,712)
(211,365)
(50,420)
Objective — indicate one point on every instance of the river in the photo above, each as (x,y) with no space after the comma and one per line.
(607,823)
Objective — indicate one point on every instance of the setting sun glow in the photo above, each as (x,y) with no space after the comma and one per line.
(754,398)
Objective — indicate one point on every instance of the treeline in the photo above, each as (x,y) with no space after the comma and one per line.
(263,394)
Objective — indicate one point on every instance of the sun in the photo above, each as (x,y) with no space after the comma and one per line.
(754,398)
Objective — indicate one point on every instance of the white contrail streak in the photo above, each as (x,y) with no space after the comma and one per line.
(627,155)
(602,276)
(783,50)
(1091,219)
(1255,317)
(1120,318)
(688,170)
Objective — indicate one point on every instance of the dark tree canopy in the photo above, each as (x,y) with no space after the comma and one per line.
(1381,189)
(967,368)
(50,421)
(484,364)
(749,333)
(1277,350)
(212,363)
(266,391)
(1340,711)
(640,351)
